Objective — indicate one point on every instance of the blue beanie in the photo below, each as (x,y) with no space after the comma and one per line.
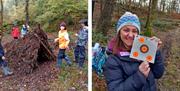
(128,19)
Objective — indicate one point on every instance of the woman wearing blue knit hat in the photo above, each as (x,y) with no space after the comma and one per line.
(123,73)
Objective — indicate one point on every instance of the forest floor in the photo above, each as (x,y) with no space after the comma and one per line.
(170,81)
(171,50)
(46,77)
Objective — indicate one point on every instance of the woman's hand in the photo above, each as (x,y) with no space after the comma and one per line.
(158,40)
(144,68)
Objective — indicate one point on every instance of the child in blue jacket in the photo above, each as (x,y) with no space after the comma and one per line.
(79,51)
(24,30)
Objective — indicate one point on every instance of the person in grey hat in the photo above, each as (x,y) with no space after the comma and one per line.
(82,40)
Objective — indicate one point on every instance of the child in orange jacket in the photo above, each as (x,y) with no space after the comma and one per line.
(63,39)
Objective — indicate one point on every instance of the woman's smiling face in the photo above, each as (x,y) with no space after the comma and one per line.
(127,35)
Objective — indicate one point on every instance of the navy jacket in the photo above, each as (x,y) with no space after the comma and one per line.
(1,51)
(2,62)
(122,74)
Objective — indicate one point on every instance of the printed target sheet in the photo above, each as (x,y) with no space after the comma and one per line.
(144,49)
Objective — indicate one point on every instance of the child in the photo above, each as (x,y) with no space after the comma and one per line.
(63,39)
(123,73)
(15,32)
(81,43)
(24,30)
(3,63)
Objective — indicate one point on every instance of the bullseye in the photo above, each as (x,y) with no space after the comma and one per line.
(144,48)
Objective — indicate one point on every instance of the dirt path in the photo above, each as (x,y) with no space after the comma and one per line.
(38,80)
(171,51)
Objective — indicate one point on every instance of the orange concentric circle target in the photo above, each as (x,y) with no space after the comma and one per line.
(141,39)
(135,54)
(149,58)
(144,48)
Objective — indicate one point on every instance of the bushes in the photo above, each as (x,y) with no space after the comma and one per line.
(6,28)
(56,11)
(49,13)
(158,25)
(99,37)
(163,25)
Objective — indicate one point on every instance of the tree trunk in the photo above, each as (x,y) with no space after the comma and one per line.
(129,5)
(160,6)
(154,9)
(151,16)
(27,12)
(1,21)
(105,18)
(118,6)
(178,11)
(16,4)
(163,5)
(101,6)
(134,1)
(140,3)
(148,25)
(93,4)
(174,6)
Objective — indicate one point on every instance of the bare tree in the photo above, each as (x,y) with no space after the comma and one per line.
(26,11)
(1,21)
(129,5)
(101,5)
(178,9)
(16,4)
(174,6)
(154,9)
(164,5)
(148,22)
(151,16)
(105,18)
(93,4)
(140,3)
